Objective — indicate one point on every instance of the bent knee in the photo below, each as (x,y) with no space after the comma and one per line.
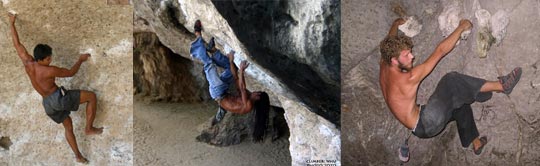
(87,96)
(92,95)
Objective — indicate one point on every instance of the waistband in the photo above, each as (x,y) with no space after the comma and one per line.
(59,91)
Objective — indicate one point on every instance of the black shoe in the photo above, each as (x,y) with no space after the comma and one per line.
(210,46)
(219,116)
(198,26)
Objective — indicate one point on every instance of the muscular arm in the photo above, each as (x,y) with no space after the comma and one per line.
(422,70)
(62,72)
(242,88)
(233,68)
(21,50)
(394,29)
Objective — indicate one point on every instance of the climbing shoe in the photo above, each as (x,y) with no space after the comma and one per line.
(404,151)
(219,116)
(510,80)
(198,26)
(484,141)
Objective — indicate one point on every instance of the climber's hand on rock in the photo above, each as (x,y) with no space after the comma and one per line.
(84,57)
(243,65)
(399,21)
(230,55)
(12,17)
(465,24)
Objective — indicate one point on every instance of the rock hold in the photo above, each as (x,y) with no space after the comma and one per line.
(411,27)
(449,18)
(499,22)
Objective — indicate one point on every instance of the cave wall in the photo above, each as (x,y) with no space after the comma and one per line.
(371,134)
(163,75)
(70,28)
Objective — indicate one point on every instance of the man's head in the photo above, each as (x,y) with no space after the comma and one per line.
(42,54)
(397,50)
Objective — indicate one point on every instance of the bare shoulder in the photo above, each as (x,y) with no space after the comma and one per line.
(418,73)
(28,64)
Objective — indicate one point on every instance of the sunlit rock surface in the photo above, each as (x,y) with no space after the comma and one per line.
(70,28)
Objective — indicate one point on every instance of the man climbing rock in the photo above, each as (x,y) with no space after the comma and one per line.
(241,103)
(452,98)
(57,101)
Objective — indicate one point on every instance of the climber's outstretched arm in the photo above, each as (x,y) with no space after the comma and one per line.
(233,68)
(244,94)
(21,50)
(62,72)
(421,71)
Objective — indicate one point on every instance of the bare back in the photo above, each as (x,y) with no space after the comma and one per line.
(399,92)
(40,78)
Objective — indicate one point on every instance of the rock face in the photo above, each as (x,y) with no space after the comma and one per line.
(371,134)
(313,138)
(70,28)
(299,36)
(235,128)
(163,75)
(293,48)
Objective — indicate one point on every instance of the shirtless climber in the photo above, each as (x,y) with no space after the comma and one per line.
(57,101)
(219,84)
(452,98)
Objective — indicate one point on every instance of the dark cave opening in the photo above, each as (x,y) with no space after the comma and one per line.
(250,22)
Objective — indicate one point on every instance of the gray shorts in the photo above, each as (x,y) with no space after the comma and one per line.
(59,104)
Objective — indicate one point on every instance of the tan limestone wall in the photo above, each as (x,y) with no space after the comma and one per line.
(70,28)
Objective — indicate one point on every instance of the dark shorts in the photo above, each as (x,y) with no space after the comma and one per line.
(59,104)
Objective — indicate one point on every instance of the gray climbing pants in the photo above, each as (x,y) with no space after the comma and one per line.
(451,101)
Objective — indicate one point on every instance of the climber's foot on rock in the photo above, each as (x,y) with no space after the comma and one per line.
(82,160)
(198,26)
(93,131)
(510,80)
(403,153)
(219,116)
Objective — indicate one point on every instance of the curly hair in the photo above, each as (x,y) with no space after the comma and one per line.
(391,46)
